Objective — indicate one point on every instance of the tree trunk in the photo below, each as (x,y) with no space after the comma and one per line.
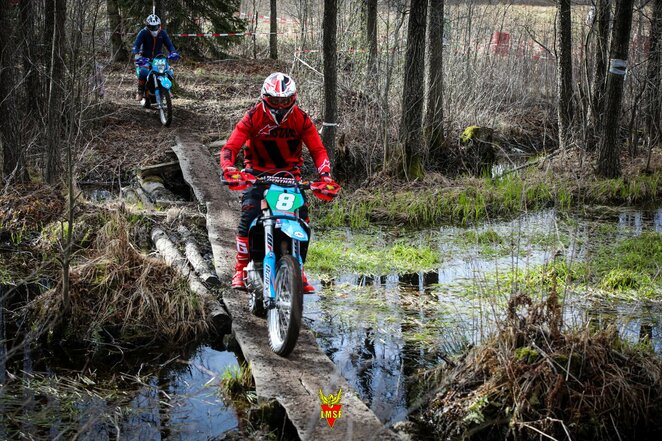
(371,35)
(564,70)
(601,25)
(608,161)
(118,51)
(413,93)
(30,65)
(55,92)
(273,32)
(434,117)
(653,76)
(13,166)
(45,54)
(330,27)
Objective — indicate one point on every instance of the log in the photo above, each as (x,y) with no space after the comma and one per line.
(129,195)
(218,317)
(217,144)
(144,198)
(159,169)
(153,186)
(196,260)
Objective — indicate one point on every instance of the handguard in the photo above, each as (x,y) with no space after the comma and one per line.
(325,189)
(238,180)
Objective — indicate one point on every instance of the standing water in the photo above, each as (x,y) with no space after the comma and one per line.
(175,399)
(380,331)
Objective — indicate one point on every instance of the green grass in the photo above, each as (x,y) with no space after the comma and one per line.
(469,200)
(634,263)
(369,256)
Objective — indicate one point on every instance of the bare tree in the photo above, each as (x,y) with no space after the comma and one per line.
(273,32)
(601,26)
(653,76)
(564,69)
(13,165)
(55,93)
(329,29)
(434,117)
(609,164)
(371,35)
(30,65)
(413,93)
(118,51)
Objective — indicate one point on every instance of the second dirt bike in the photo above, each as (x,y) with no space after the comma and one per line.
(158,89)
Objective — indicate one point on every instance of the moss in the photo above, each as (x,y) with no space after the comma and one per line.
(469,133)
(526,354)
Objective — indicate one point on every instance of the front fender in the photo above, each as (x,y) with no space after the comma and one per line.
(165,82)
(293,229)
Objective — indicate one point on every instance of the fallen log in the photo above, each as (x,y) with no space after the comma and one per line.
(218,317)
(153,186)
(195,258)
(159,169)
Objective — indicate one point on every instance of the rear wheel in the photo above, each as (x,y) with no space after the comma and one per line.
(165,110)
(284,320)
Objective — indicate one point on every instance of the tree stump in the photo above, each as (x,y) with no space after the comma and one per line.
(478,154)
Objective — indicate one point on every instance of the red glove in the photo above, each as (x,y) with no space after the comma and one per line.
(326,188)
(238,180)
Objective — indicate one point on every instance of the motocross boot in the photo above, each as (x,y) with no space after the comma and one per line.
(241,262)
(141,90)
(307,287)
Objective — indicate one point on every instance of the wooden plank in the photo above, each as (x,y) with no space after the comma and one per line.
(159,169)
(294,382)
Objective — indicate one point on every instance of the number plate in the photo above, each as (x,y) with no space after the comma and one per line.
(284,199)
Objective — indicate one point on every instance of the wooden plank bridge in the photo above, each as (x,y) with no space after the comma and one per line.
(293,382)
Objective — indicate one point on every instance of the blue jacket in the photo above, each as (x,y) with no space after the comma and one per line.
(150,46)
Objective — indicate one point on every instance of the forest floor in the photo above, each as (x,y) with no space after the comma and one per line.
(209,99)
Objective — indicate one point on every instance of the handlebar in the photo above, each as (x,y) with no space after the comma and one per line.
(265,180)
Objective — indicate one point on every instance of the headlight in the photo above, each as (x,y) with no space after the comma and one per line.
(161,68)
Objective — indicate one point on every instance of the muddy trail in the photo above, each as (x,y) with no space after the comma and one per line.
(209,98)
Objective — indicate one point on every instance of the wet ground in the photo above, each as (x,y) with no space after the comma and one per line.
(378,330)
(381,330)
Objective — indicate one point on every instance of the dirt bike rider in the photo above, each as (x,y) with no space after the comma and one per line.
(273,131)
(149,43)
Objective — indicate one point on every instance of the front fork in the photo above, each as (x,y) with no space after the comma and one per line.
(157,91)
(269,265)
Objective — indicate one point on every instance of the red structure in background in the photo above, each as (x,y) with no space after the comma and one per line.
(500,43)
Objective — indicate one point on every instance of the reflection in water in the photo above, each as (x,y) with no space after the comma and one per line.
(178,402)
(382,330)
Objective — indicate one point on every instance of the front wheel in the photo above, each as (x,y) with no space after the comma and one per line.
(165,109)
(284,320)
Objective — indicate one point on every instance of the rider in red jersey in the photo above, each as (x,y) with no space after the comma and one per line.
(273,132)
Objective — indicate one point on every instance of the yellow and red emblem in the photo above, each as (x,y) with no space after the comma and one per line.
(331,407)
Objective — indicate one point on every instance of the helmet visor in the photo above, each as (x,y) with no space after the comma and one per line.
(153,28)
(279,102)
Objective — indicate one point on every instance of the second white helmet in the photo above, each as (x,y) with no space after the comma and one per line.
(153,23)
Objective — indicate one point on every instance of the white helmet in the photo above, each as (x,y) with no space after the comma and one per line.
(279,91)
(153,23)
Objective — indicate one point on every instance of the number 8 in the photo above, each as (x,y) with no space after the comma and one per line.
(285,201)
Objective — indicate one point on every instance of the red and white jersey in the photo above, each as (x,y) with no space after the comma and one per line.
(272,147)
